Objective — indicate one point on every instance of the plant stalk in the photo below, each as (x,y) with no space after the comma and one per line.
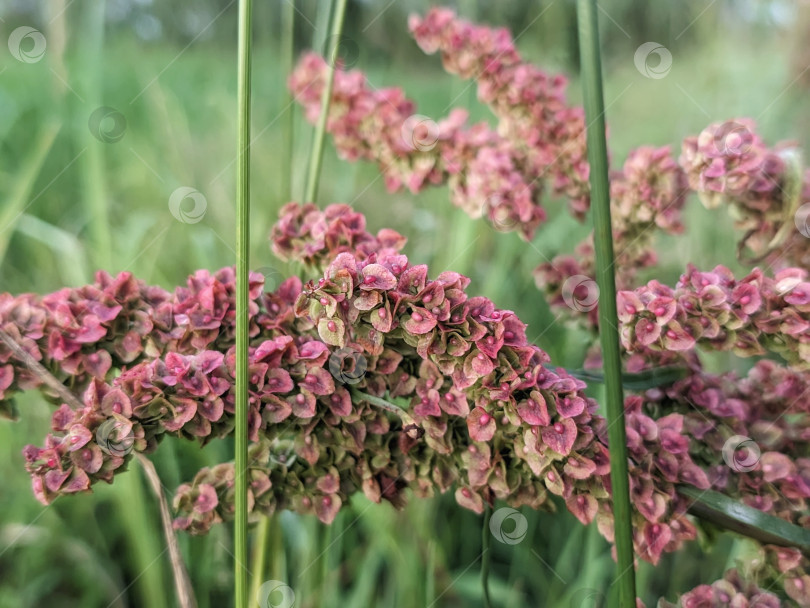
(92,164)
(591,70)
(260,552)
(182,583)
(183,588)
(241,588)
(43,374)
(316,154)
(485,534)
(288,132)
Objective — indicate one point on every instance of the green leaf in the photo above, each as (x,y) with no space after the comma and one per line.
(18,198)
(68,250)
(652,378)
(733,515)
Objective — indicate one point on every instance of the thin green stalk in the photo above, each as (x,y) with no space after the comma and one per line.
(464,235)
(19,191)
(287,133)
(69,251)
(506,254)
(93,174)
(608,318)
(320,32)
(277,558)
(485,534)
(316,154)
(141,544)
(326,590)
(260,550)
(182,583)
(430,574)
(243,257)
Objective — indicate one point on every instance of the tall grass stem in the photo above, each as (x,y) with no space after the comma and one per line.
(316,154)
(261,551)
(242,260)
(182,582)
(590,60)
(288,132)
(485,557)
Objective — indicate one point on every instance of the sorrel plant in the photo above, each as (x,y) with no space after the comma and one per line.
(370,374)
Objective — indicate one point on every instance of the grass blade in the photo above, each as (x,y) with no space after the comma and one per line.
(485,557)
(92,164)
(733,515)
(260,552)
(182,583)
(288,134)
(67,249)
(608,318)
(243,257)
(641,381)
(316,154)
(27,173)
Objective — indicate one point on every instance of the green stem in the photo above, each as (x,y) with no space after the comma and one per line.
(18,191)
(327,592)
(316,154)
(641,381)
(141,544)
(243,257)
(608,318)
(288,51)
(92,163)
(182,583)
(485,534)
(258,564)
(430,574)
(277,569)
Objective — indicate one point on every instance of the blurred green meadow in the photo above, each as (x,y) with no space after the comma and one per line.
(133,99)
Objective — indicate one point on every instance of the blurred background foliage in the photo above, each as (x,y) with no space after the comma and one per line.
(72,204)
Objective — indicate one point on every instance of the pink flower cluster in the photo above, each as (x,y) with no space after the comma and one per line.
(746,432)
(728,163)
(651,517)
(750,316)
(531,107)
(370,124)
(480,411)
(183,394)
(313,237)
(81,333)
(499,174)
(731,591)
(647,195)
(540,137)
(374,378)
(86,332)
(749,436)
(729,159)
(789,568)
(660,452)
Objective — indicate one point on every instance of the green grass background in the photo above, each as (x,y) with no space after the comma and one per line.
(70,204)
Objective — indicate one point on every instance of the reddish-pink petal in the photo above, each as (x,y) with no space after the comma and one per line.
(481,425)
